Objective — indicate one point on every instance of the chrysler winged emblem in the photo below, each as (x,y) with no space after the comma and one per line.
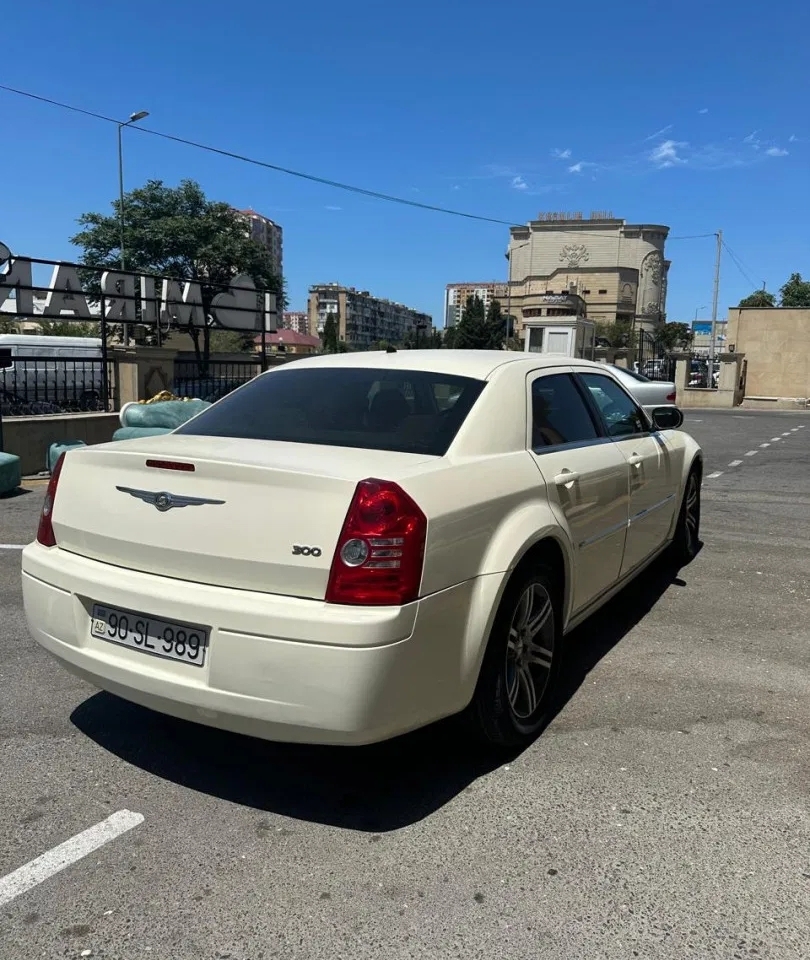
(163,501)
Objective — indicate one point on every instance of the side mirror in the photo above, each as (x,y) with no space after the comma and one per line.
(667,418)
(6,359)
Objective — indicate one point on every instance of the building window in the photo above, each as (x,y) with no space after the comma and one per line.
(586,291)
(602,291)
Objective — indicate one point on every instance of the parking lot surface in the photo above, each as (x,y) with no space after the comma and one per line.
(664,813)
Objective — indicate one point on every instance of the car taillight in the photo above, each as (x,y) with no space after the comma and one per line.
(672,397)
(379,556)
(45,534)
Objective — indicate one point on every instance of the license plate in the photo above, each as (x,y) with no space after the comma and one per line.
(159,638)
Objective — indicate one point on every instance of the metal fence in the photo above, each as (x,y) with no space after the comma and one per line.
(654,359)
(218,378)
(37,386)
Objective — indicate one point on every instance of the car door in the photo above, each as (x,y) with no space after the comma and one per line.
(653,481)
(586,478)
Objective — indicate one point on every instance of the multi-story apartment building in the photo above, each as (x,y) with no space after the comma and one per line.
(361,318)
(619,269)
(269,234)
(297,320)
(455,297)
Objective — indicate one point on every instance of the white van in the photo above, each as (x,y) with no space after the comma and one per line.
(63,371)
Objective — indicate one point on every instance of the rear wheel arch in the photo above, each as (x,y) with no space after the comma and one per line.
(548,551)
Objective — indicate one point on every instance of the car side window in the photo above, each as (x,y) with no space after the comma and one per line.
(621,415)
(559,413)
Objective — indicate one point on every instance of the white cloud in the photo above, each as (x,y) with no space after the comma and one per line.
(792,138)
(576,167)
(666,154)
(776,152)
(752,140)
(704,110)
(332,207)
(455,187)
(658,133)
(561,154)
(518,183)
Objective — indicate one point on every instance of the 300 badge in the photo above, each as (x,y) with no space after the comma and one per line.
(302,551)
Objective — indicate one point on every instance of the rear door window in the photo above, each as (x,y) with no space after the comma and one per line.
(407,411)
(559,413)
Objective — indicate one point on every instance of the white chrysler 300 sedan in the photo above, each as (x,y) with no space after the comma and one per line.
(353,546)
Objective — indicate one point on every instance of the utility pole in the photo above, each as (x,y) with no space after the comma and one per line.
(715,297)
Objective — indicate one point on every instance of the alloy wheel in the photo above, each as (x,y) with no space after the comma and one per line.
(692,514)
(529,651)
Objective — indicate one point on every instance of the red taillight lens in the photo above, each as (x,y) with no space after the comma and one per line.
(672,397)
(379,556)
(45,534)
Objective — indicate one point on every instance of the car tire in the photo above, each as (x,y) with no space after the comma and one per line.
(518,677)
(686,542)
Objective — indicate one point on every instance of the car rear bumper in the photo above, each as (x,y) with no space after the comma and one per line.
(281,668)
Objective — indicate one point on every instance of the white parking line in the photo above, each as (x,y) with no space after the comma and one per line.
(793,429)
(735,463)
(42,868)
(775,439)
(751,453)
(786,433)
(12,546)
(715,475)
(765,444)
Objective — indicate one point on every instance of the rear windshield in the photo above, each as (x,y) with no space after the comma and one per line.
(407,411)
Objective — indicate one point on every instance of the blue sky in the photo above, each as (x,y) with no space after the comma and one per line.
(694,115)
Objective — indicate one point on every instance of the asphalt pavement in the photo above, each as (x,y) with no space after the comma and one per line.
(663,814)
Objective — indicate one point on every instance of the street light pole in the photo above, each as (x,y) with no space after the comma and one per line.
(509,321)
(134,118)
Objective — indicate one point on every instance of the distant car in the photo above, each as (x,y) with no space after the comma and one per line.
(649,393)
(355,545)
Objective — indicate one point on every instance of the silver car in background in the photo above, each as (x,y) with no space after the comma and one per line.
(649,393)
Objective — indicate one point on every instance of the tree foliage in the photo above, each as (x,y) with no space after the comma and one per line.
(8,326)
(496,325)
(675,335)
(449,337)
(473,332)
(65,328)
(178,232)
(616,334)
(759,298)
(795,292)
(329,337)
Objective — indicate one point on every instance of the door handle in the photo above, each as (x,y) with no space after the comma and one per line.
(566,477)
(635,460)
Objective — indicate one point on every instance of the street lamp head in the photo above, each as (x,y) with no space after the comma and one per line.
(140,115)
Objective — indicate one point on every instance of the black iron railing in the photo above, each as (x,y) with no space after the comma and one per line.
(219,377)
(37,386)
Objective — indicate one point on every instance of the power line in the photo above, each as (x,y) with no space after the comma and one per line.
(739,266)
(336,184)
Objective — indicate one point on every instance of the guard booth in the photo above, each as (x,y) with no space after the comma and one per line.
(559,325)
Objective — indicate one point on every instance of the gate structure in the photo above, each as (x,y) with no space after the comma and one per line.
(654,358)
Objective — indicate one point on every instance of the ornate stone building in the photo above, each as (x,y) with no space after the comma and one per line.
(619,269)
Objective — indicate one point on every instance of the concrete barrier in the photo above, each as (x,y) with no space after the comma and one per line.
(30,437)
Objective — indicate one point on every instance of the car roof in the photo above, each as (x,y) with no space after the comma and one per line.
(478,364)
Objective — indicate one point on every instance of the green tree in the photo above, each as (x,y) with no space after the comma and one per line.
(617,334)
(178,232)
(64,328)
(449,337)
(795,292)
(496,325)
(759,298)
(473,332)
(329,337)
(8,326)
(674,335)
